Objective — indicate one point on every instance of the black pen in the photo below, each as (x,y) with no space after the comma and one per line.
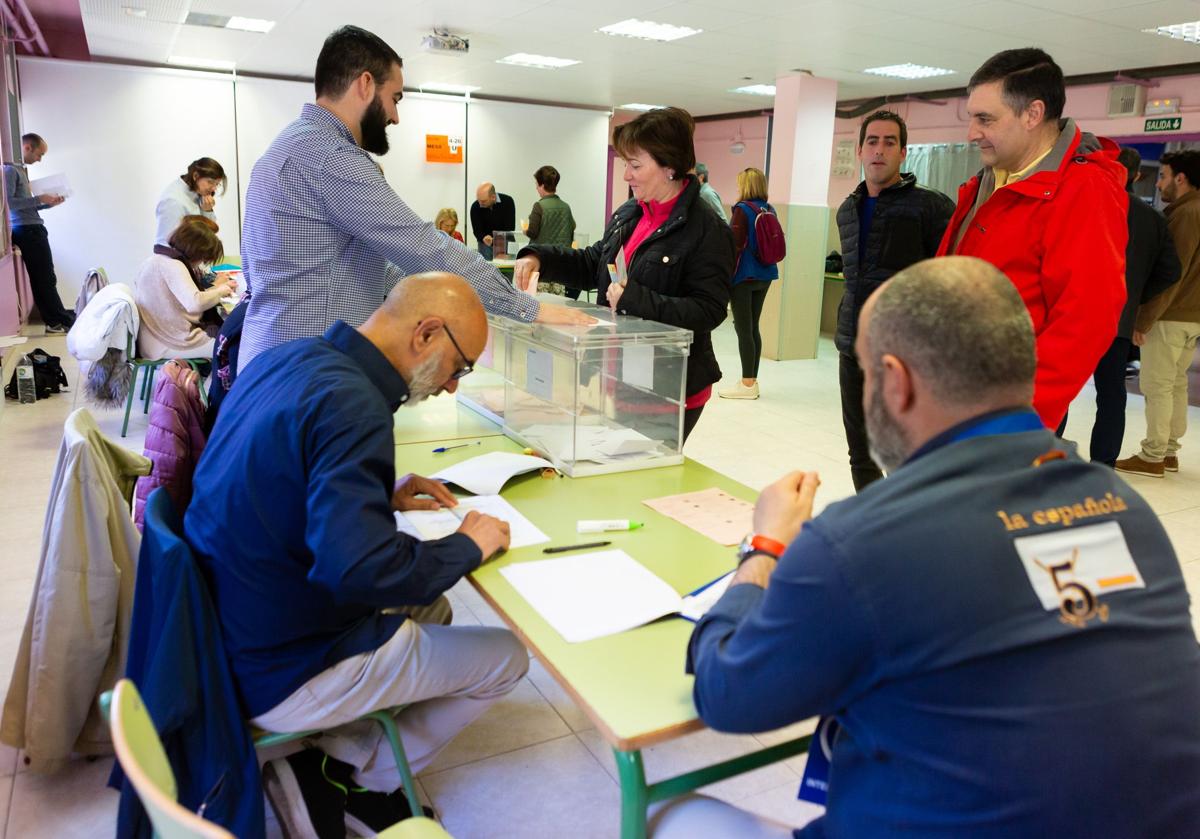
(562,548)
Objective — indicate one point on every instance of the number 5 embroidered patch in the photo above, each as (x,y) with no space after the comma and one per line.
(1071,569)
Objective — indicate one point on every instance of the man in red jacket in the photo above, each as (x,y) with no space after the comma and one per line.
(1049,211)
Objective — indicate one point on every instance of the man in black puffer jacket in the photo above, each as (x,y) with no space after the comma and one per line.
(886,224)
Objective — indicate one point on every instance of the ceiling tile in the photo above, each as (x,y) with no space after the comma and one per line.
(761,40)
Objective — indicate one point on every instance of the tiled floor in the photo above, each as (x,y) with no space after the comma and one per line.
(533,766)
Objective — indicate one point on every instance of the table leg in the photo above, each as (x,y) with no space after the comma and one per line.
(635,796)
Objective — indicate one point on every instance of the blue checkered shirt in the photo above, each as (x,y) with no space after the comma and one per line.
(325,238)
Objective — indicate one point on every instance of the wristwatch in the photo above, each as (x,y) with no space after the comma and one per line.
(755,543)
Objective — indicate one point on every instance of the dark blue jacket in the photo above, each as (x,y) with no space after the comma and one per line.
(973,702)
(296,533)
(178,664)
(225,362)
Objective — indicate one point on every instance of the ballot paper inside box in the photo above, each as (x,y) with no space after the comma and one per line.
(595,399)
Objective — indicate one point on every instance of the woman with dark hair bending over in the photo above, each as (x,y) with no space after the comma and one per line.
(679,254)
(194,193)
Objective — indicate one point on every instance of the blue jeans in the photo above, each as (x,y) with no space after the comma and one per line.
(485,251)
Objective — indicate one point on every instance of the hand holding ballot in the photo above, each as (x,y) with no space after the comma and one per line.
(615,290)
(525,273)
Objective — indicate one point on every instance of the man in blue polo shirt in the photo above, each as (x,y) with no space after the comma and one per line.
(999,628)
(327,612)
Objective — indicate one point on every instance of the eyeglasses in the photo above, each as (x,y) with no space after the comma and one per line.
(468,365)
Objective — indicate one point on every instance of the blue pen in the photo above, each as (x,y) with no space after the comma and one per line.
(441,449)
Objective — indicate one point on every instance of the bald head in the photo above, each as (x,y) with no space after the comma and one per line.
(943,341)
(960,323)
(419,325)
(486,194)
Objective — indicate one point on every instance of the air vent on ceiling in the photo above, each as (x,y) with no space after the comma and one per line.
(1126,100)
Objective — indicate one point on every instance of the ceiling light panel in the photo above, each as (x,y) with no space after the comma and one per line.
(541,62)
(756,89)
(250,24)
(1189,32)
(908,71)
(648,30)
(638,106)
(448,87)
(242,24)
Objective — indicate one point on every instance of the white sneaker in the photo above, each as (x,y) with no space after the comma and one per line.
(739,391)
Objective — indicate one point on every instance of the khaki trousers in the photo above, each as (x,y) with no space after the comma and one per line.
(696,815)
(1166,356)
(445,675)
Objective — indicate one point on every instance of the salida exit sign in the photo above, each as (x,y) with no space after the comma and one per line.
(1163,124)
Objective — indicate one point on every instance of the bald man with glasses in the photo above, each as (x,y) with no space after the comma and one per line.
(327,612)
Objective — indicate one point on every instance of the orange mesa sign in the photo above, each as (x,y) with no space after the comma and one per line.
(440,148)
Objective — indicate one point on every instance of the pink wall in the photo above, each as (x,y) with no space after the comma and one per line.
(1088,105)
(712,148)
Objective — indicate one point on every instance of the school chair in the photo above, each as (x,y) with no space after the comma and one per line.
(141,755)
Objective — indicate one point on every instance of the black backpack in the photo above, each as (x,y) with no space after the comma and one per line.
(48,375)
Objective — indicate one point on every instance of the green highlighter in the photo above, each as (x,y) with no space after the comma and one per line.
(605,525)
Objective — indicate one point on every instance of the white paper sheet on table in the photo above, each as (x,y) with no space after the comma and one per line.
(435,524)
(595,594)
(487,473)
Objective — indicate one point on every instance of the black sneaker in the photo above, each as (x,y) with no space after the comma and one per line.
(56,329)
(306,802)
(367,812)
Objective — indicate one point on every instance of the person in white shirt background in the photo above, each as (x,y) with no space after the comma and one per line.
(194,193)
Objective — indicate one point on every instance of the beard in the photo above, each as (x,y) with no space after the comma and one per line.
(887,442)
(373,127)
(425,381)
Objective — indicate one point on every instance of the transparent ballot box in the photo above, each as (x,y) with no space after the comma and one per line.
(483,390)
(592,399)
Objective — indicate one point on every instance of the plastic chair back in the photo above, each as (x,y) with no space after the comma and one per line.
(141,755)
(415,828)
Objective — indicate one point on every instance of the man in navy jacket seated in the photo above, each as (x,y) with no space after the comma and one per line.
(999,629)
(327,612)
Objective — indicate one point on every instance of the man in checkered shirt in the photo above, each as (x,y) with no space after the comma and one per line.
(325,236)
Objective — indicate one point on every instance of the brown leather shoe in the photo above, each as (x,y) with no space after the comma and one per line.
(1134,465)
(1171,463)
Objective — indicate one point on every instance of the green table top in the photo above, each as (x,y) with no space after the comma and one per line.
(440,418)
(631,685)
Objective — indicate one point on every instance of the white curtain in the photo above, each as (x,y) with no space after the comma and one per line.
(942,166)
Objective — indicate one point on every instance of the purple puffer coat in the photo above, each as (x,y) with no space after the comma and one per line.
(175,439)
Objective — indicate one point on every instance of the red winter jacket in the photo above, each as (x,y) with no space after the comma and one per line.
(1059,235)
(175,439)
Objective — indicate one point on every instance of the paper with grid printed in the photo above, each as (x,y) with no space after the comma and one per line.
(713,512)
